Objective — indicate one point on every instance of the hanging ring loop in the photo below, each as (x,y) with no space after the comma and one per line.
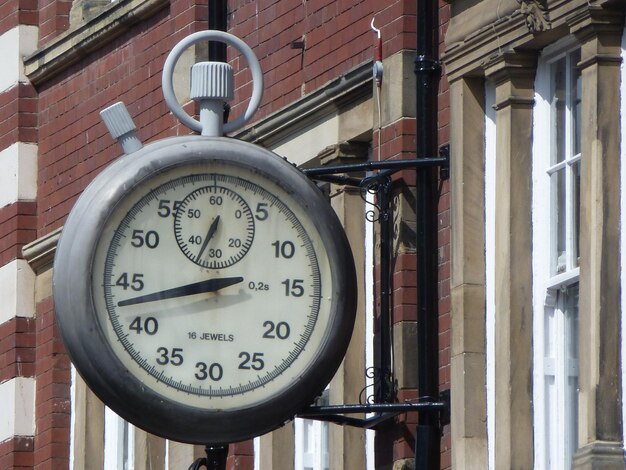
(221,36)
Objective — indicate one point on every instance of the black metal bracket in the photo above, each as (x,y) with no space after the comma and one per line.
(381,184)
(382,412)
(444,415)
(444,170)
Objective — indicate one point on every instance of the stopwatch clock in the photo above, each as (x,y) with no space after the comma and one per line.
(204,289)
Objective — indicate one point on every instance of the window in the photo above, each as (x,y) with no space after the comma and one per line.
(97,434)
(118,442)
(556,227)
(564,168)
(312,441)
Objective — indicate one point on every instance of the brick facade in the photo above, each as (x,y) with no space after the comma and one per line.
(59,113)
(18,227)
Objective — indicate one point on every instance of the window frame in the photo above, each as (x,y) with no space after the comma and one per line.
(555,275)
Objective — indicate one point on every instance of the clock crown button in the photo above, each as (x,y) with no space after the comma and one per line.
(121,126)
(212,80)
(117,119)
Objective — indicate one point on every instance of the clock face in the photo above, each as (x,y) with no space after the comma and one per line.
(210,286)
(218,290)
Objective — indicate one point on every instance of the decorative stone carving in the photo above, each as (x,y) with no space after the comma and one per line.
(536,13)
(84,10)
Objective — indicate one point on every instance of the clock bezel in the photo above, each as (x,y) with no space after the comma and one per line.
(88,346)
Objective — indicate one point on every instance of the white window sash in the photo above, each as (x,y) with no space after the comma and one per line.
(553,370)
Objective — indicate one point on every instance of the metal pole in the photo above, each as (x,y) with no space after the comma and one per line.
(427,442)
(385,390)
(218,19)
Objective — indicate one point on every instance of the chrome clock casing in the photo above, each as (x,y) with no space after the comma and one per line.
(96,354)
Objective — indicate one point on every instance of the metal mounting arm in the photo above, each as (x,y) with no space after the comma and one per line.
(380,183)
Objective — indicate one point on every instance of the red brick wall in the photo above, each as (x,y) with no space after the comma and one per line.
(336,34)
(14,12)
(52,409)
(18,224)
(17,349)
(18,121)
(17,453)
(54,19)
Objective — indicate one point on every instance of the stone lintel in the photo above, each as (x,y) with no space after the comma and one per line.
(482,30)
(84,10)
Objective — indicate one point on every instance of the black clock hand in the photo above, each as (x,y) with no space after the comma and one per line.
(210,285)
(209,235)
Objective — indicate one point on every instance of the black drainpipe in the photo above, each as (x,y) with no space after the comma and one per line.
(427,71)
(218,19)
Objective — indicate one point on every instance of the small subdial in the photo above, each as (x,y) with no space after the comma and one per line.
(214,227)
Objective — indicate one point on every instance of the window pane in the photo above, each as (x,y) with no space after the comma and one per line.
(559,81)
(559,232)
(576,211)
(576,101)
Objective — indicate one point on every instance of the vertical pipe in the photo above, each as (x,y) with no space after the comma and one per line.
(427,71)
(385,386)
(218,19)
(216,457)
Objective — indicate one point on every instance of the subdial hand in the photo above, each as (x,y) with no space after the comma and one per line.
(209,235)
(210,285)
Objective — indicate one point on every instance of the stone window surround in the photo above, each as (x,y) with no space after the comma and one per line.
(467,58)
